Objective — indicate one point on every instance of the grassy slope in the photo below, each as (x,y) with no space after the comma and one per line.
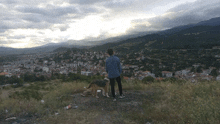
(177,102)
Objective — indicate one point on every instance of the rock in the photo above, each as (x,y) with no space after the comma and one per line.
(75,107)
(42,101)
(11,118)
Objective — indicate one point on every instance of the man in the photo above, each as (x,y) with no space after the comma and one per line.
(113,68)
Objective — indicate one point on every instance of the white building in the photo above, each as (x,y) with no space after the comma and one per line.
(8,75)
(87,73)
(167,74)
(45,62)
(218,78)
(46,69)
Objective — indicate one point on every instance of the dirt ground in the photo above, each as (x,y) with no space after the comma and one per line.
(111,112)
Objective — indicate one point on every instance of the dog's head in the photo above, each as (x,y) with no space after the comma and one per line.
(106,79)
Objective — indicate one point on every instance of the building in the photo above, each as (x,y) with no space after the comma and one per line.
(218,78)
(167,74)
(46,69)
(5,74)
(87,73)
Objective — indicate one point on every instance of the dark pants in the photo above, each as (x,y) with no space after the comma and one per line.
(112,82)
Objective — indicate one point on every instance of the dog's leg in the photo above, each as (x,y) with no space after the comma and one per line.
(83,94)
(107,94)
(96,94)
(93,91)
(107,89)
(103,92)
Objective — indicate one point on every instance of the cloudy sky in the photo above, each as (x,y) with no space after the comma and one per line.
(31,23)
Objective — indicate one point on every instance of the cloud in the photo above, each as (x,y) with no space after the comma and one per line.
(35,18)
(16,37)
(50,10)
(36,22)
(9,1)
(186,14)
(3,42)
(87,2)
(62,27)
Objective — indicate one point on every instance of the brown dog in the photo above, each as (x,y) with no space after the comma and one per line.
(98,85)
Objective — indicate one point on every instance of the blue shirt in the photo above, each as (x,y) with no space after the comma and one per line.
(113,67)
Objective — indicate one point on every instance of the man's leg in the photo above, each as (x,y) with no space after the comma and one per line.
(118,79)
(112,82)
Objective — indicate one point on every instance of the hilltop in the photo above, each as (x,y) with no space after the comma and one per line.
(168,101)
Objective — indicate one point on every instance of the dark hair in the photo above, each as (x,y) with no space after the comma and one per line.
(110,52)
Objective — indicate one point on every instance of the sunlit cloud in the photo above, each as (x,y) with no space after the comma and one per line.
(38,22)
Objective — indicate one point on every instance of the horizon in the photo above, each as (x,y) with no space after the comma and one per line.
(37,23)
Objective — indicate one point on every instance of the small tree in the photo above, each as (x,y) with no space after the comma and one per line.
(20,82)
(193,69)
(199,69)
(214,73)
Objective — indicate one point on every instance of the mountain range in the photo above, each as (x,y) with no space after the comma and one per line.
(205,34)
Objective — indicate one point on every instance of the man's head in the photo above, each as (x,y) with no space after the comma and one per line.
(110,52)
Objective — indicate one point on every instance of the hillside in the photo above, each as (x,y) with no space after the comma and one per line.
(198,37)
(166,101)
(124,45)
(203,35)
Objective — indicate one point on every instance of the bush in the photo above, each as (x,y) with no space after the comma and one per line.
(27,94)
(148,79)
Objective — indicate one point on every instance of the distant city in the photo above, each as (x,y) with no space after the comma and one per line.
(157,64)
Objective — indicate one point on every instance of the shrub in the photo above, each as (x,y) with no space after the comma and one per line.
(171,79)
(148,79)
(26,94)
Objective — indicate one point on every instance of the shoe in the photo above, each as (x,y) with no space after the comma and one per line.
(122,96)
(114,100)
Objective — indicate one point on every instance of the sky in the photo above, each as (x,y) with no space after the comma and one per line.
(32,23)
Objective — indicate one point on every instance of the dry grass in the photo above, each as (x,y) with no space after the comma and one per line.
(187,103)
(171,102)
(59,96)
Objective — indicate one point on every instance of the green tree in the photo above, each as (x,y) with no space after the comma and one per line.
(20,82)
(214,73)
(41,78)
(199,69)
(63,77)
(193,69)
(98,74)
(29,77)
(78,70)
